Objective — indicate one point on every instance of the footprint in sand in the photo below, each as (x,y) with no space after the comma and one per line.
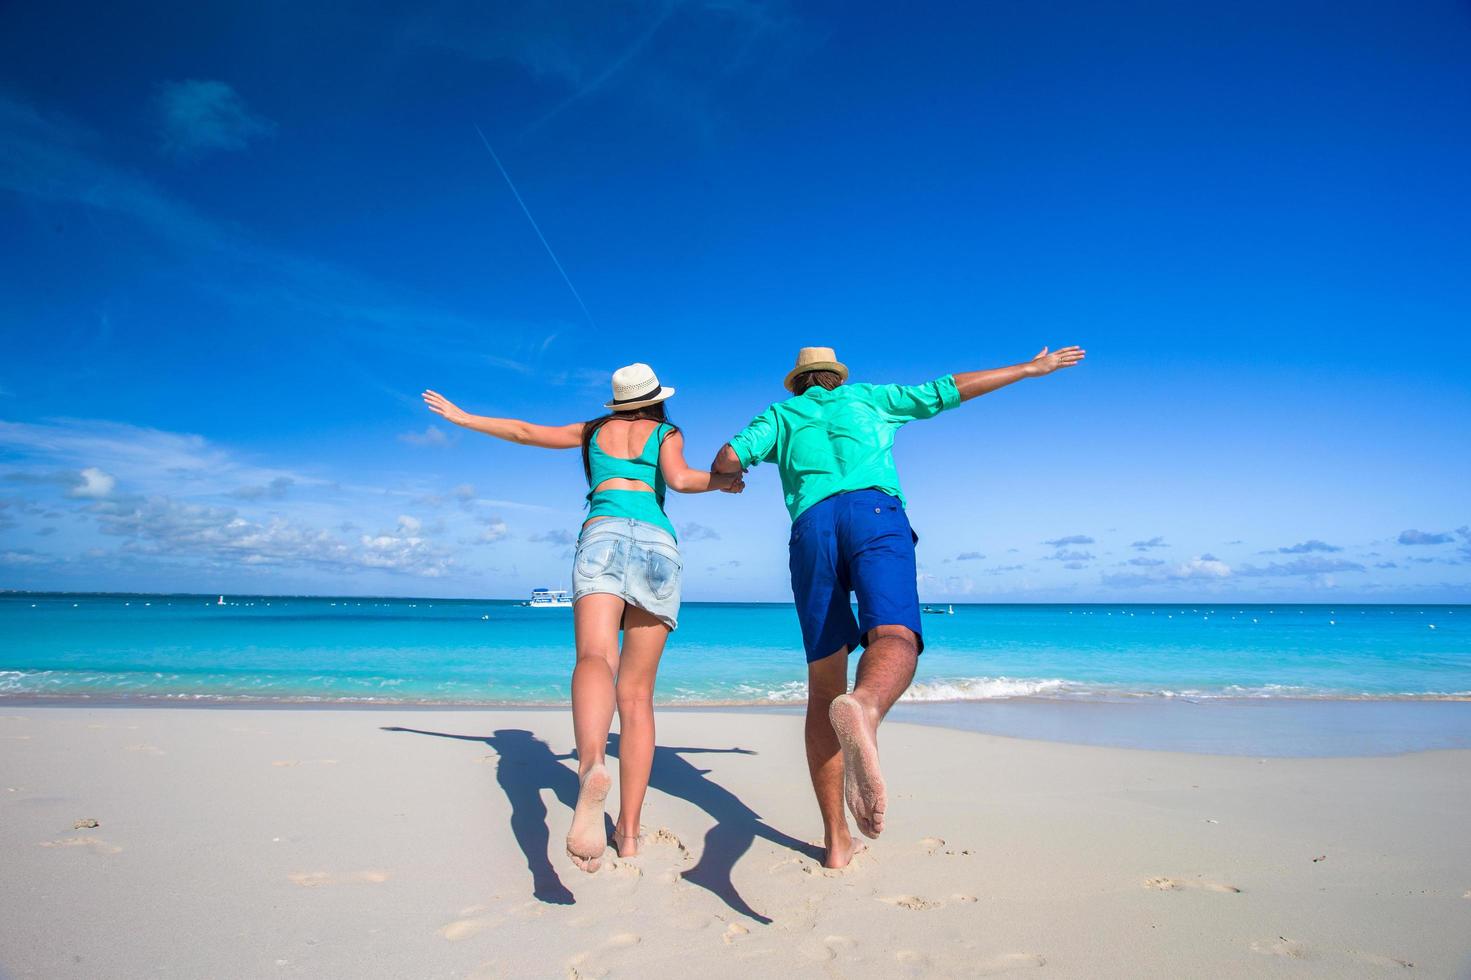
(588,964)
(1005,963)
(964,899)
(1293,950)
(145,748)
(619,868)
(93,844)
(473,920)
(314,879)
(931,844)
(733,932)
(1282,946)
(826,950)
(1008,962)
(912,902)
(1181,884)
(667,837)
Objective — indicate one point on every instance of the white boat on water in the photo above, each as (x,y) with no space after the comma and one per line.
(549,599)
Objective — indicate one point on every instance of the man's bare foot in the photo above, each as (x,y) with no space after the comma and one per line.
(625,843)
(863,783)
(586,841)
(837,852)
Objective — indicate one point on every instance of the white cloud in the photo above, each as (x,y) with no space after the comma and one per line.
(274,490)
(1413,536)
(404,549)
(431,436)
(1203,566)
(94,484)
(201,116)
(691,531)
(1310,565)
(1308,547)
(24,557)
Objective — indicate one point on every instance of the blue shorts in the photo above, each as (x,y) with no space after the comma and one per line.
(856,542)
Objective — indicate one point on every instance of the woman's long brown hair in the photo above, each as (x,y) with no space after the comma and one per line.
(652,413)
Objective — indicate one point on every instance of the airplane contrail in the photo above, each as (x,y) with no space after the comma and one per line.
(535,227)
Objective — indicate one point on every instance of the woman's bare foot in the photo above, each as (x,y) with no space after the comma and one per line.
(625,843)
(839,851)
(863,783)
(585,841)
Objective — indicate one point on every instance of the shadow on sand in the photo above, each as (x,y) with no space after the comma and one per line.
(527,765)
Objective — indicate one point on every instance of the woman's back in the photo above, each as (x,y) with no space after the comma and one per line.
(625,439)
(624,477)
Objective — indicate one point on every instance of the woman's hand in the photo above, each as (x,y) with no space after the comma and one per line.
(1063,357)
(442,406)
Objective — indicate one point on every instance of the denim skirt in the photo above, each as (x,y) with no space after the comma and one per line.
(630,559)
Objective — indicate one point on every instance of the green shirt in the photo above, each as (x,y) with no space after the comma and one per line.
(828,442)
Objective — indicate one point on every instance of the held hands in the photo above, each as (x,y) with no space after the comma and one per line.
(736,485)
(1046,363)
(442,406)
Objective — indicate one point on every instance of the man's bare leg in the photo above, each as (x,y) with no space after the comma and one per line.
(828,679)
(884,673)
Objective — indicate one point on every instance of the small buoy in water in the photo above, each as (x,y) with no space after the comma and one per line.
(484,617)
(1332,622)
(1432,626)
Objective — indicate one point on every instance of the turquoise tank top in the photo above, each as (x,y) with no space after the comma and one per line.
(638,505)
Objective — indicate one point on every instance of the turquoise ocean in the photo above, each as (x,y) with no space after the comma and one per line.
(190,648)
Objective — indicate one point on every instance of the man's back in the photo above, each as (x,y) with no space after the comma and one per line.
(833,441)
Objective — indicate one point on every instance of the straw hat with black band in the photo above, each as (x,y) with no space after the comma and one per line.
(636,386)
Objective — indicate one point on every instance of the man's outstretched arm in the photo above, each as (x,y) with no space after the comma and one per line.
(972,384)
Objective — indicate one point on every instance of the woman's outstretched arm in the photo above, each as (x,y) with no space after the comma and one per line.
(679,475)
(511,430)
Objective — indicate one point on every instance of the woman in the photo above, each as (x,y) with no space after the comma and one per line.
(626,575)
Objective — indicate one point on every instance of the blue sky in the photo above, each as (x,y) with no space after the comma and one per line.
(240,239)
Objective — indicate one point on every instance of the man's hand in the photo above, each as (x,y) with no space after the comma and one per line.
(1063,357)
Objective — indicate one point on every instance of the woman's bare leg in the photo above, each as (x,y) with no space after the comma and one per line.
(643,645)
(595,618)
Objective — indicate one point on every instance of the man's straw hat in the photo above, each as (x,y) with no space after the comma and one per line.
(816,359)
(636,386)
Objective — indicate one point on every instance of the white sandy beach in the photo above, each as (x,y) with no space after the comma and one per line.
(284,843)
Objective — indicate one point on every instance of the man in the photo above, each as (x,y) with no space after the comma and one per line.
(833,443)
